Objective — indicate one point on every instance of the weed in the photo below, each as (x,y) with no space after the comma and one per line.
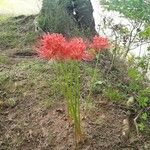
(47,103)
(13,34)
(113,94)
(11,102)
(4,59)
(100,120)
(35,66)
(134,74)
(93,76)
(8,39)
(3,78)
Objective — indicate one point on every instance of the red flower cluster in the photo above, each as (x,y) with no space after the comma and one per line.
(55,46)
(74,49)
(51,46)
(99,43)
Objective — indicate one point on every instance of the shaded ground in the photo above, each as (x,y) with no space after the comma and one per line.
(32,113)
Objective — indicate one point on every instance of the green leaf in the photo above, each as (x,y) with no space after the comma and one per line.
(143,101)
(144,116)
(134,74)
(99,83)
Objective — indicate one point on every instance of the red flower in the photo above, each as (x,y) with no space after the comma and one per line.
(55,46)
(87,56)
(99,43)
(75,49)
(51,46)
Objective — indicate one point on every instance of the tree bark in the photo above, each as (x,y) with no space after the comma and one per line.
(80,11)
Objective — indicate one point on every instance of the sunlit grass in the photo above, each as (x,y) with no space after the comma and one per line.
(4,18)
(19,7)
(2,2)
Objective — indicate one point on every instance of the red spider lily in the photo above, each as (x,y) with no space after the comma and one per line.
(55,46)
(51,46)
(75,49)
(87,56)
(99,43)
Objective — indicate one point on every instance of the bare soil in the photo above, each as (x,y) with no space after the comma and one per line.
(28,126)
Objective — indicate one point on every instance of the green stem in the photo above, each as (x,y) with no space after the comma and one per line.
(78,132)
(66,88)
(71,72)
(93,79)
(72,90)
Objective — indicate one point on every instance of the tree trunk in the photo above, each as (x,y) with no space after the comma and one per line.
(79,11)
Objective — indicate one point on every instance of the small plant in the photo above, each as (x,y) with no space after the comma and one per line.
(139,89)
(97,45)
(113,94)
(4,59)
(3,78)
(66,56)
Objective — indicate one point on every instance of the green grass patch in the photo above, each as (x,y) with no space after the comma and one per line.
(16,32)
(4,59)
(35,66)
(113,94)
(4,77)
